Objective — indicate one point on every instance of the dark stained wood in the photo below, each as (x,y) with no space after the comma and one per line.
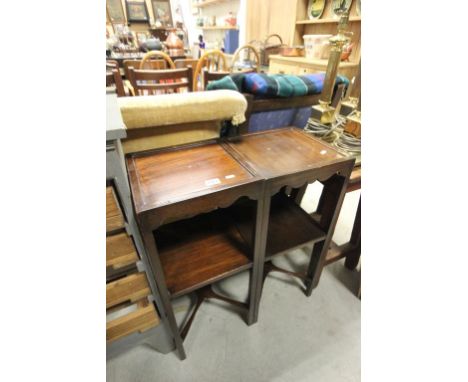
(289,158)
(156,267)
(286,151)
(285,216)
(151,82)
(182,194)
(284,103)
(328,210)
(353,254)
(190,251)
(202,295)
(119,86)
(169,176)
(354,180)
(335,252)
(199,251)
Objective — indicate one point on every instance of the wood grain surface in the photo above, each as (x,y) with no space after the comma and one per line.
(114,217)
(279,152)
(170,176)
(198,251)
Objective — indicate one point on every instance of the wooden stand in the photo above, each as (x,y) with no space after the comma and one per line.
(180,197)
(291,158)
(210,210)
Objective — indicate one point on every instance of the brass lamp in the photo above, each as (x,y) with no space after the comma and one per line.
(324,113)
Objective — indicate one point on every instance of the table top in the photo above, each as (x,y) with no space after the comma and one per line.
(169,176)
(279,152)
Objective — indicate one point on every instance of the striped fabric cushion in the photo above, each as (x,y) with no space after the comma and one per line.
(277,85)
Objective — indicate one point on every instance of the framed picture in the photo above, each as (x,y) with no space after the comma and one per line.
(115,12)
(137,12)
(141,37)
(162,12)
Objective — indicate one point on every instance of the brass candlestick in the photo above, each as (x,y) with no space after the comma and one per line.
(323,112)
(350,103)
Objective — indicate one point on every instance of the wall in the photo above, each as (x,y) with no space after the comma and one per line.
(265,17)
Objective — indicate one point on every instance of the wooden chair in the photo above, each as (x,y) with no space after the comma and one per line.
(119,85)
(185,63)
(250,49)
(110,65)
(149,64)
(214,61)
(159,54)
(151,82)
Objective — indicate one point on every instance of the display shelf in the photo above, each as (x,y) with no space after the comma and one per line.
(206,3)
(326,21)
(313,61)
(199,251)
(285,216)
(219,28)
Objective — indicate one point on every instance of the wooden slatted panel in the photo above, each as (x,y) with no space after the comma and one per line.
(120,251)
(140,320)
(114,217)
(130,288)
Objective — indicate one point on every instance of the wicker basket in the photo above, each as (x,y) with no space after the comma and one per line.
(266,48)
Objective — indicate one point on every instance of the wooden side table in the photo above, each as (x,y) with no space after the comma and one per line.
(180,197)
(291,158)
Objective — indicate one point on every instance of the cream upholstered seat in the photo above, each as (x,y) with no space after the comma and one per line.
(173,119)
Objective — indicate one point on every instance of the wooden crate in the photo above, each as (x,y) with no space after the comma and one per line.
(130,291)
(114,216)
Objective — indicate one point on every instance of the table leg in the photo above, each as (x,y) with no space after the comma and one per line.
(260,237)
(354,254)
(329,207)
(158,272)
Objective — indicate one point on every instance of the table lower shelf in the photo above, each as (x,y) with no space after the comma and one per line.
(199,251)
(289,226)
(204,249)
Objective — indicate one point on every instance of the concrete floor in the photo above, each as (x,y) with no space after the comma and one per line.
(296,338)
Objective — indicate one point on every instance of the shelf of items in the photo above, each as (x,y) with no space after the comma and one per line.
(327,21)
(219,28)
(199,251)
(285,214)
(313,61)
(327,25)
(304,65)
(206,3)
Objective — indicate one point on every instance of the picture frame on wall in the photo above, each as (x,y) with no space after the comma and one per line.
(137,12)
(115,12)
(162,12)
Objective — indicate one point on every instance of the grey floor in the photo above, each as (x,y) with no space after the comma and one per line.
(296,338)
